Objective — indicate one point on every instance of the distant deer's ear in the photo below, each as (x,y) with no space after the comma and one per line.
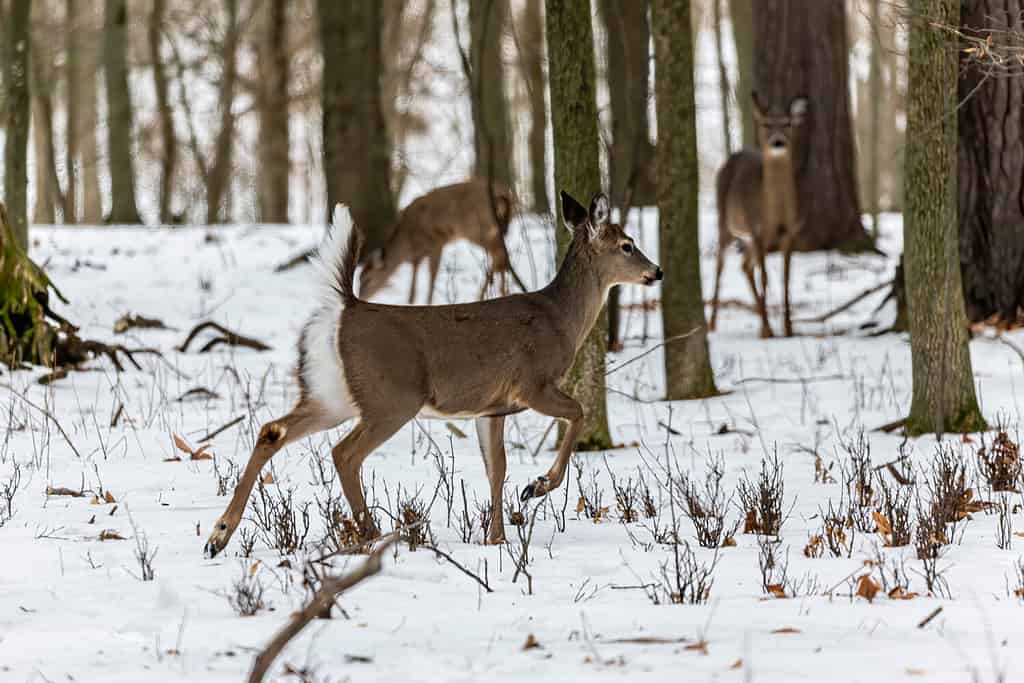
(573,213)
(759,108)
(599,210)
(798,107)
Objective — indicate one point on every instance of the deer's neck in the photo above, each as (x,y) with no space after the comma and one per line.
(579,293)
(778,191)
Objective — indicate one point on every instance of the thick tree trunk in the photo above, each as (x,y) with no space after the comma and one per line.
(273,110)
(874,117)
(943,392)
(219,177)
(723,79)
(72,96)
(632,154)
(87,26)
(741,16)
(991,173)
(25,337)
(44,210)
(531,45)
(357,155)
(123,208)
(17,48)
(687,364)
(800,48)
(491,126)
(578,172)
(168,142)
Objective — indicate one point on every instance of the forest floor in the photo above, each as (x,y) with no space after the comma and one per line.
(597,596)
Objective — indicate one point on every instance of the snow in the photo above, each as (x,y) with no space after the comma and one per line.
(72,607)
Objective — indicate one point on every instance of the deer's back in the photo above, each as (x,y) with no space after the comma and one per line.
(452,212)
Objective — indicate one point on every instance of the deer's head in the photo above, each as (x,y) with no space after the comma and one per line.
(378,268)
(611,252)
(776,127)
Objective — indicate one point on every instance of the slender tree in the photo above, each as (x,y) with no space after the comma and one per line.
(875,116)
(119,113)
(17,46)
(687,364)
(531,53)
(72,42)
(272,100)
(943,393)
(357,155)
(741,16)
(168,142)
(87,28)
(571,77)
(491,127)
(219,172)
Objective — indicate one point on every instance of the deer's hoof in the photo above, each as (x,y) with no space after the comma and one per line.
(218,540)
(535,489)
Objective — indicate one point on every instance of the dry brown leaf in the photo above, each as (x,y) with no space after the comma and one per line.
(108,497)
(111,535)
(884,528)
(62,491)
(700,646)
(181,444)
(738,664)
(581,504)
(750,525)
(815,546)
(531,643)
(201,454)
(900,593)
(173,458)
(867,587)
(785,630)
(729,542)
(776,590)
(268,479)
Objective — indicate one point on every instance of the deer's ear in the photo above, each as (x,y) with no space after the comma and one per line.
(759,108)
(600,211)
(798,107)
(573,213)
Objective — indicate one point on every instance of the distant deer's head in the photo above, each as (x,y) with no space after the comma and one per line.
(380,265)
(776,127)
(612,253)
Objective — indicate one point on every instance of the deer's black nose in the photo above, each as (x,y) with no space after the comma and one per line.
(659,273)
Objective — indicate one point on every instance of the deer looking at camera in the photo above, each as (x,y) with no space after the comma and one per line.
(386,365)
(757,204)
(464,210)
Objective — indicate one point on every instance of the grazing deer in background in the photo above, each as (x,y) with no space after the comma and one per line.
(757,204)
(386,365)
(449,213)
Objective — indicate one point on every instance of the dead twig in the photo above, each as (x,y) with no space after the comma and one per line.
(654,348)
(223,428)
(445,556)
(227,337)
(132,322)
(845,306)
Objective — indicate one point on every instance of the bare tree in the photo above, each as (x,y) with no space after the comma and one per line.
(119,113)
(531,54)
(741,16)
(491,127)
(17,41)
(168,141)
(86,27)
(72,95)
(272,101)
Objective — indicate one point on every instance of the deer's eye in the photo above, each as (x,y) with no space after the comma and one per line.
(627,248)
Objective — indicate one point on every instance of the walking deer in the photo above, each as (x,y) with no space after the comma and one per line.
(757,204)
(444,215)
(386,365)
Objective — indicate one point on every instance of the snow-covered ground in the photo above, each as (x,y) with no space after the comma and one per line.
(73,607)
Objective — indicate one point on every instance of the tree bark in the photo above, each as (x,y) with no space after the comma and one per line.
(17,48)
(991,173)
(943,392)
(87,26)
(577,171)
(219,177)
(687,364)
(273,111)
(168,142)
(800,48)
(875,116)
(357,155)
(491,126)
(531,45)
(123,208)
(72,96)
(741,16)
(723,79)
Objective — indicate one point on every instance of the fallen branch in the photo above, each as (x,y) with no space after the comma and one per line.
(296,260)
(227,337)
(890,427)
(654,348)
(928,619)
(445,556)
(132,322)
(845,306)
(791,380)
(215,432)
(322,601)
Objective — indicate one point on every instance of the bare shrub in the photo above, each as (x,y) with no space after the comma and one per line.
(591,494)
(1000,463)
(895,521)
(762,502)
(686,580)
(143,555)
(227,478)
(246,541)
(8,489)
(412,518)
(947,485)
(1015,587)
(706,506)
(246,594)
(774,571)
(1004,523)
(628,497)
(282,524)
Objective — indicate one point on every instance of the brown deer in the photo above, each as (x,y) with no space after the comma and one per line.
(464,210)
(757,204)
(386,365)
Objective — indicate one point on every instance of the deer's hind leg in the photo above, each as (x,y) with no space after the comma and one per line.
(433,265)
(490,431)
(753,259)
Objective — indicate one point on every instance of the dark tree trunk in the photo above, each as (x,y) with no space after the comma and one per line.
(687,364)
(531,45)
(168,142)
(577,171)
(273,105)
(491,126)
(800,48)
(357,156)
(72,41)
(87,26)
(219,177)
(741,16)
(123,208)
(991,174)
(943,384)
(16,47)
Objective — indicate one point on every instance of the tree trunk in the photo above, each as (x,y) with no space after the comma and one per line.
(491,126)
(17,47)
(273,111)
(219,177)
(357,156)
(86,25)
(800,48)
(687,364)
(723,80)
(875,116)
(72,96)
(991,173)
(741,16)
(577,171)
(168,142)
(531,45)
(42,142)
(123,209)
(630,162)
(943,384)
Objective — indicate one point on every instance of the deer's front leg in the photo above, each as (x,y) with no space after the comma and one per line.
(490,432)
(787,257)
(555,403)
